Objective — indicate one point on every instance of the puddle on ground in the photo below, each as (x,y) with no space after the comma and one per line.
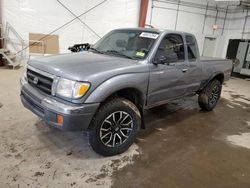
(103,176)
(242,140)
(182,142)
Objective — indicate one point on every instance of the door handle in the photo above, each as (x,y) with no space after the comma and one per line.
(184,70)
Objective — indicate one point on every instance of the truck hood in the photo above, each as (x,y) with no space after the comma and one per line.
(86,66)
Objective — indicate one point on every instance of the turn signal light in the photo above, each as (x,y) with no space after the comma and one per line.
(83,89)
(59,119)
(80,89)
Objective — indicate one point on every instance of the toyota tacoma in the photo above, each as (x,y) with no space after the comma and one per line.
(106,89)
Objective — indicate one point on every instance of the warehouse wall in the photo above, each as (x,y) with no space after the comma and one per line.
(44,16)
(163,13)
(240,25)
(238,28)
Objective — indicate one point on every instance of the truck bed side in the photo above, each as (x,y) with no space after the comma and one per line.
(214,66)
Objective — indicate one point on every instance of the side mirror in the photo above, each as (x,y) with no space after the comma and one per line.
(161,60)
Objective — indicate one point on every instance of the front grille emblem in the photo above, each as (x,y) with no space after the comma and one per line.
(35,81)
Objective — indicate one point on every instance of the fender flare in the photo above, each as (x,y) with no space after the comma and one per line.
(135,81)
(206,82)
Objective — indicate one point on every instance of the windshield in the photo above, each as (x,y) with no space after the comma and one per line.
(133,44)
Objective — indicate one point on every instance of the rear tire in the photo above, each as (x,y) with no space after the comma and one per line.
(114,127)
(210,95)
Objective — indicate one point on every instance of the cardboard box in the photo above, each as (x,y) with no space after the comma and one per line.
(47,45)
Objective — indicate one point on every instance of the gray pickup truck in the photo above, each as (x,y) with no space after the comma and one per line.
(106,89)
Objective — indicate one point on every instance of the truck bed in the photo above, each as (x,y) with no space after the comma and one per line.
(204,58)
(214,65)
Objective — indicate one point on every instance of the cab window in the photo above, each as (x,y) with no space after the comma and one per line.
(172,48)
(191,48)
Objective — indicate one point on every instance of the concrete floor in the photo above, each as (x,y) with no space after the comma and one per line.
(181,147)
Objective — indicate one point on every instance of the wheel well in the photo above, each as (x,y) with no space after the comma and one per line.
(219,77)
(133,95)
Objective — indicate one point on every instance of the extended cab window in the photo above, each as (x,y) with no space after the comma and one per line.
(172,48)
(191,48)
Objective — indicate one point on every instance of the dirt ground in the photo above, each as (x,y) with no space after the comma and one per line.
(182,146)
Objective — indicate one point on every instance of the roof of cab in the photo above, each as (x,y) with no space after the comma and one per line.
(155,30)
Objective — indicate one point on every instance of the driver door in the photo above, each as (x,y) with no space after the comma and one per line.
(168,78)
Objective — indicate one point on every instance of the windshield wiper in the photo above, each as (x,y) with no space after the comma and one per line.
(94,49)
(119,53)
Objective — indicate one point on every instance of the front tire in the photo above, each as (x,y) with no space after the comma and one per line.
(114,127)
(210,95)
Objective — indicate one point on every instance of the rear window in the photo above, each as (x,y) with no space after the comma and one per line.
(191,48)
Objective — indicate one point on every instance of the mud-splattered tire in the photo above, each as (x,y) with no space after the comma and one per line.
(210,95)
(114,127)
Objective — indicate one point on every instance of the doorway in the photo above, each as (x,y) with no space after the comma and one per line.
(209,46)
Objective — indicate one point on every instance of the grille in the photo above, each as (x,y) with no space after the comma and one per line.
(39,81)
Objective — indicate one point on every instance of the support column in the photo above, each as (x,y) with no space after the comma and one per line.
(216,18)
(177,14)
(224,22)
(143,13)
(244,26)
(205,17)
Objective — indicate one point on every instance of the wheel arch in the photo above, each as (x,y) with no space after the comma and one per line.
(220,77)
(217,75)
(132,94)
(132,88)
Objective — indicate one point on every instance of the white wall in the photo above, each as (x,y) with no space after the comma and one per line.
(191,20)
(43,16)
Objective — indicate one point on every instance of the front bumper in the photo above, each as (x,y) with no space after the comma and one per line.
(75,117)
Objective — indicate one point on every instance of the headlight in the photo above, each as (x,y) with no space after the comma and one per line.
(71,89)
